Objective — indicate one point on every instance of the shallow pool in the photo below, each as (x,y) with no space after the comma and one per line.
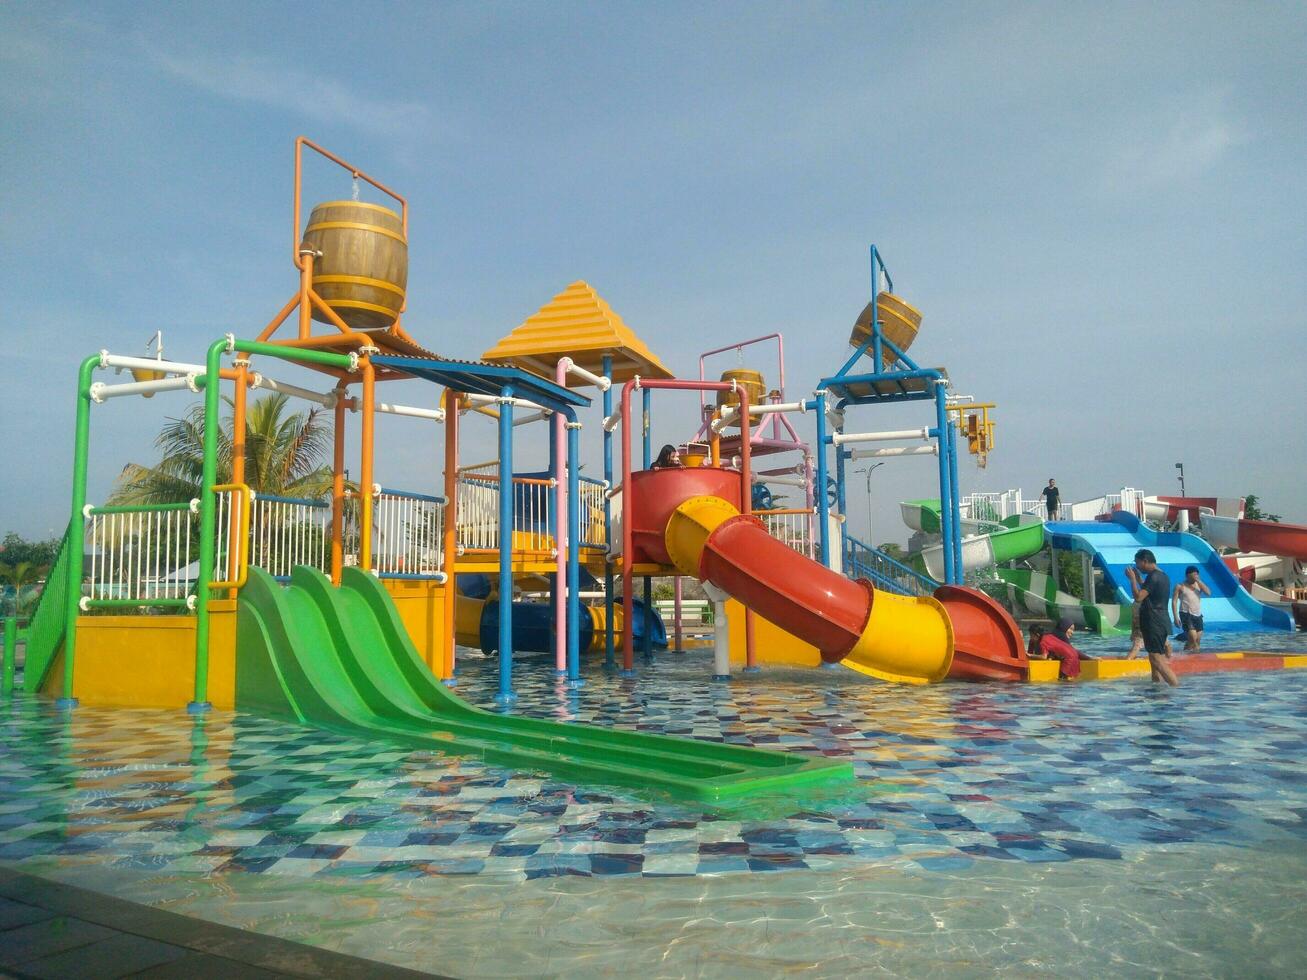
(1037,830)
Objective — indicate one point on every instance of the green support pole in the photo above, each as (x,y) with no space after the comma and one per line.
(11,651)
(76,535)
(204,575)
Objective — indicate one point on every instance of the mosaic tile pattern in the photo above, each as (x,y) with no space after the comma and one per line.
(949,776)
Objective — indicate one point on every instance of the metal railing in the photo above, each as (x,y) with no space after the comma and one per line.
(863,561)
(409,542)
(45,628)
(140,555)
(477,513)
(285,532)
(591,504)
(794,527)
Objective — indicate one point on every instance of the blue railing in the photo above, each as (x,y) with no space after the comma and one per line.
(863,561)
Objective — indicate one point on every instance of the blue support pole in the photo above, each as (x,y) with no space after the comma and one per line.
(557,593)
(573,552)
(945,486)
(955,502)
(646,646)
(506,695)
(610,662)
(818,405)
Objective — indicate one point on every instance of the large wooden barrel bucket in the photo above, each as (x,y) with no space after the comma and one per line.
(899,323)
(746,378)
(362,271)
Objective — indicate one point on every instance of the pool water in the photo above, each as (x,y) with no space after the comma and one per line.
(1046,830)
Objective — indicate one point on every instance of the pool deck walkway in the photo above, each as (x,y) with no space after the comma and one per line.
(49,929)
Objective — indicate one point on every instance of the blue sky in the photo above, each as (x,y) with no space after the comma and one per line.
(1100,209)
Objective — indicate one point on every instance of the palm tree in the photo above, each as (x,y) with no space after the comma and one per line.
(20,576)
(284,456)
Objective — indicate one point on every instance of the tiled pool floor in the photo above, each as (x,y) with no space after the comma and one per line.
(949,776)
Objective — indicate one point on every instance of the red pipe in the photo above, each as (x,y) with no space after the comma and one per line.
(628,547)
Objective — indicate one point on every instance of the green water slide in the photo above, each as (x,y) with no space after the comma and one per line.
(340,659)
(984,543)
(1037,593)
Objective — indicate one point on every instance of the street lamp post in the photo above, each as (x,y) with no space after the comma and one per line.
(869,470)
(1180,467)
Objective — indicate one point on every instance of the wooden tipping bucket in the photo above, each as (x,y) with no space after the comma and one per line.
(899,323)
(362,271)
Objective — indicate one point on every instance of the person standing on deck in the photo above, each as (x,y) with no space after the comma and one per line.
(1052,499)
(1154,623)
(1187,608)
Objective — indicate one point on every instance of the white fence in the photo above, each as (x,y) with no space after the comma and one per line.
(409,540)
(793,527)
(289,531)
(997,506)
(141,554)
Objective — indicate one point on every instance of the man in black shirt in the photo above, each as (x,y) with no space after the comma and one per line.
(1154,618)
(1052,499)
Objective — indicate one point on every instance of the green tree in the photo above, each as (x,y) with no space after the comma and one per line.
(1253,511)
(15,549)
(21,577)
(284,455)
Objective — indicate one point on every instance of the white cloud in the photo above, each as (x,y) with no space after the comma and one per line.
(312,95)
(1182,150)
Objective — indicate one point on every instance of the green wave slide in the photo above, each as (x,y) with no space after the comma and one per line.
(1037,593)
(984,544)
(340,659)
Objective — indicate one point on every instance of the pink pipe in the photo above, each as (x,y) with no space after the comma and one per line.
(560,538)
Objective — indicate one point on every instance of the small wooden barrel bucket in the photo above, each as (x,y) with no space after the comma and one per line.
(362,271)
(748,379)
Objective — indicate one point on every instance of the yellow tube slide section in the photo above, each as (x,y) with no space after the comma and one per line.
(895,638)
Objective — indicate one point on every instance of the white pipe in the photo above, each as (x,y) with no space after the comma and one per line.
(410,411)
(533,417)
(101,392)
(572,367)
(931,450)
(612,422)
(840,438)
(477,399)
(784,481)
(108,360)
(326,400)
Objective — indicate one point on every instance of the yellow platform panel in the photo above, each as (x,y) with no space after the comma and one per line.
(149,661)
(580,324)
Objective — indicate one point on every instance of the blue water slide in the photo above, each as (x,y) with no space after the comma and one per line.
(1113,545)
(533,627)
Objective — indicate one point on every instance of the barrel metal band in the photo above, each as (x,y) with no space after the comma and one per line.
(355,304)
(360,281)
(355,226)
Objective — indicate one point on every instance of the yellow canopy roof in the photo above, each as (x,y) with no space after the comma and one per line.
(579,324)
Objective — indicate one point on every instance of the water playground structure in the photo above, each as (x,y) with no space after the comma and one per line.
(347,613)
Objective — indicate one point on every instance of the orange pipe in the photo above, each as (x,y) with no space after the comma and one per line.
(306,287)
(365,464)
(451,527)
(325,340)
(279,319)
(746,507)
(338,489)
(321,305)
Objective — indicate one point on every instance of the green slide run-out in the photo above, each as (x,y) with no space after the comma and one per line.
(340,659)
(1036,592)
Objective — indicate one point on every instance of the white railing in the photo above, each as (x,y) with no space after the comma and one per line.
(591,504)
(289,531)
(996,507)
(477,514)
(793,527)
(409,540)
(476,517)
(140,555)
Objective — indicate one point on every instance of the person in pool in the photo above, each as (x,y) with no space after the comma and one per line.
(669,457)
(1056,645)
(1154,621)
(1187,608)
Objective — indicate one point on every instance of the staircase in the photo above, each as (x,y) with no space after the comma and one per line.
(863,561)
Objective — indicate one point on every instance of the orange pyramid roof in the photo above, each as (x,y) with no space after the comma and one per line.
(579,324)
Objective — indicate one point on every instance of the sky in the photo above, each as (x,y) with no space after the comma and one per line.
(1101,211)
